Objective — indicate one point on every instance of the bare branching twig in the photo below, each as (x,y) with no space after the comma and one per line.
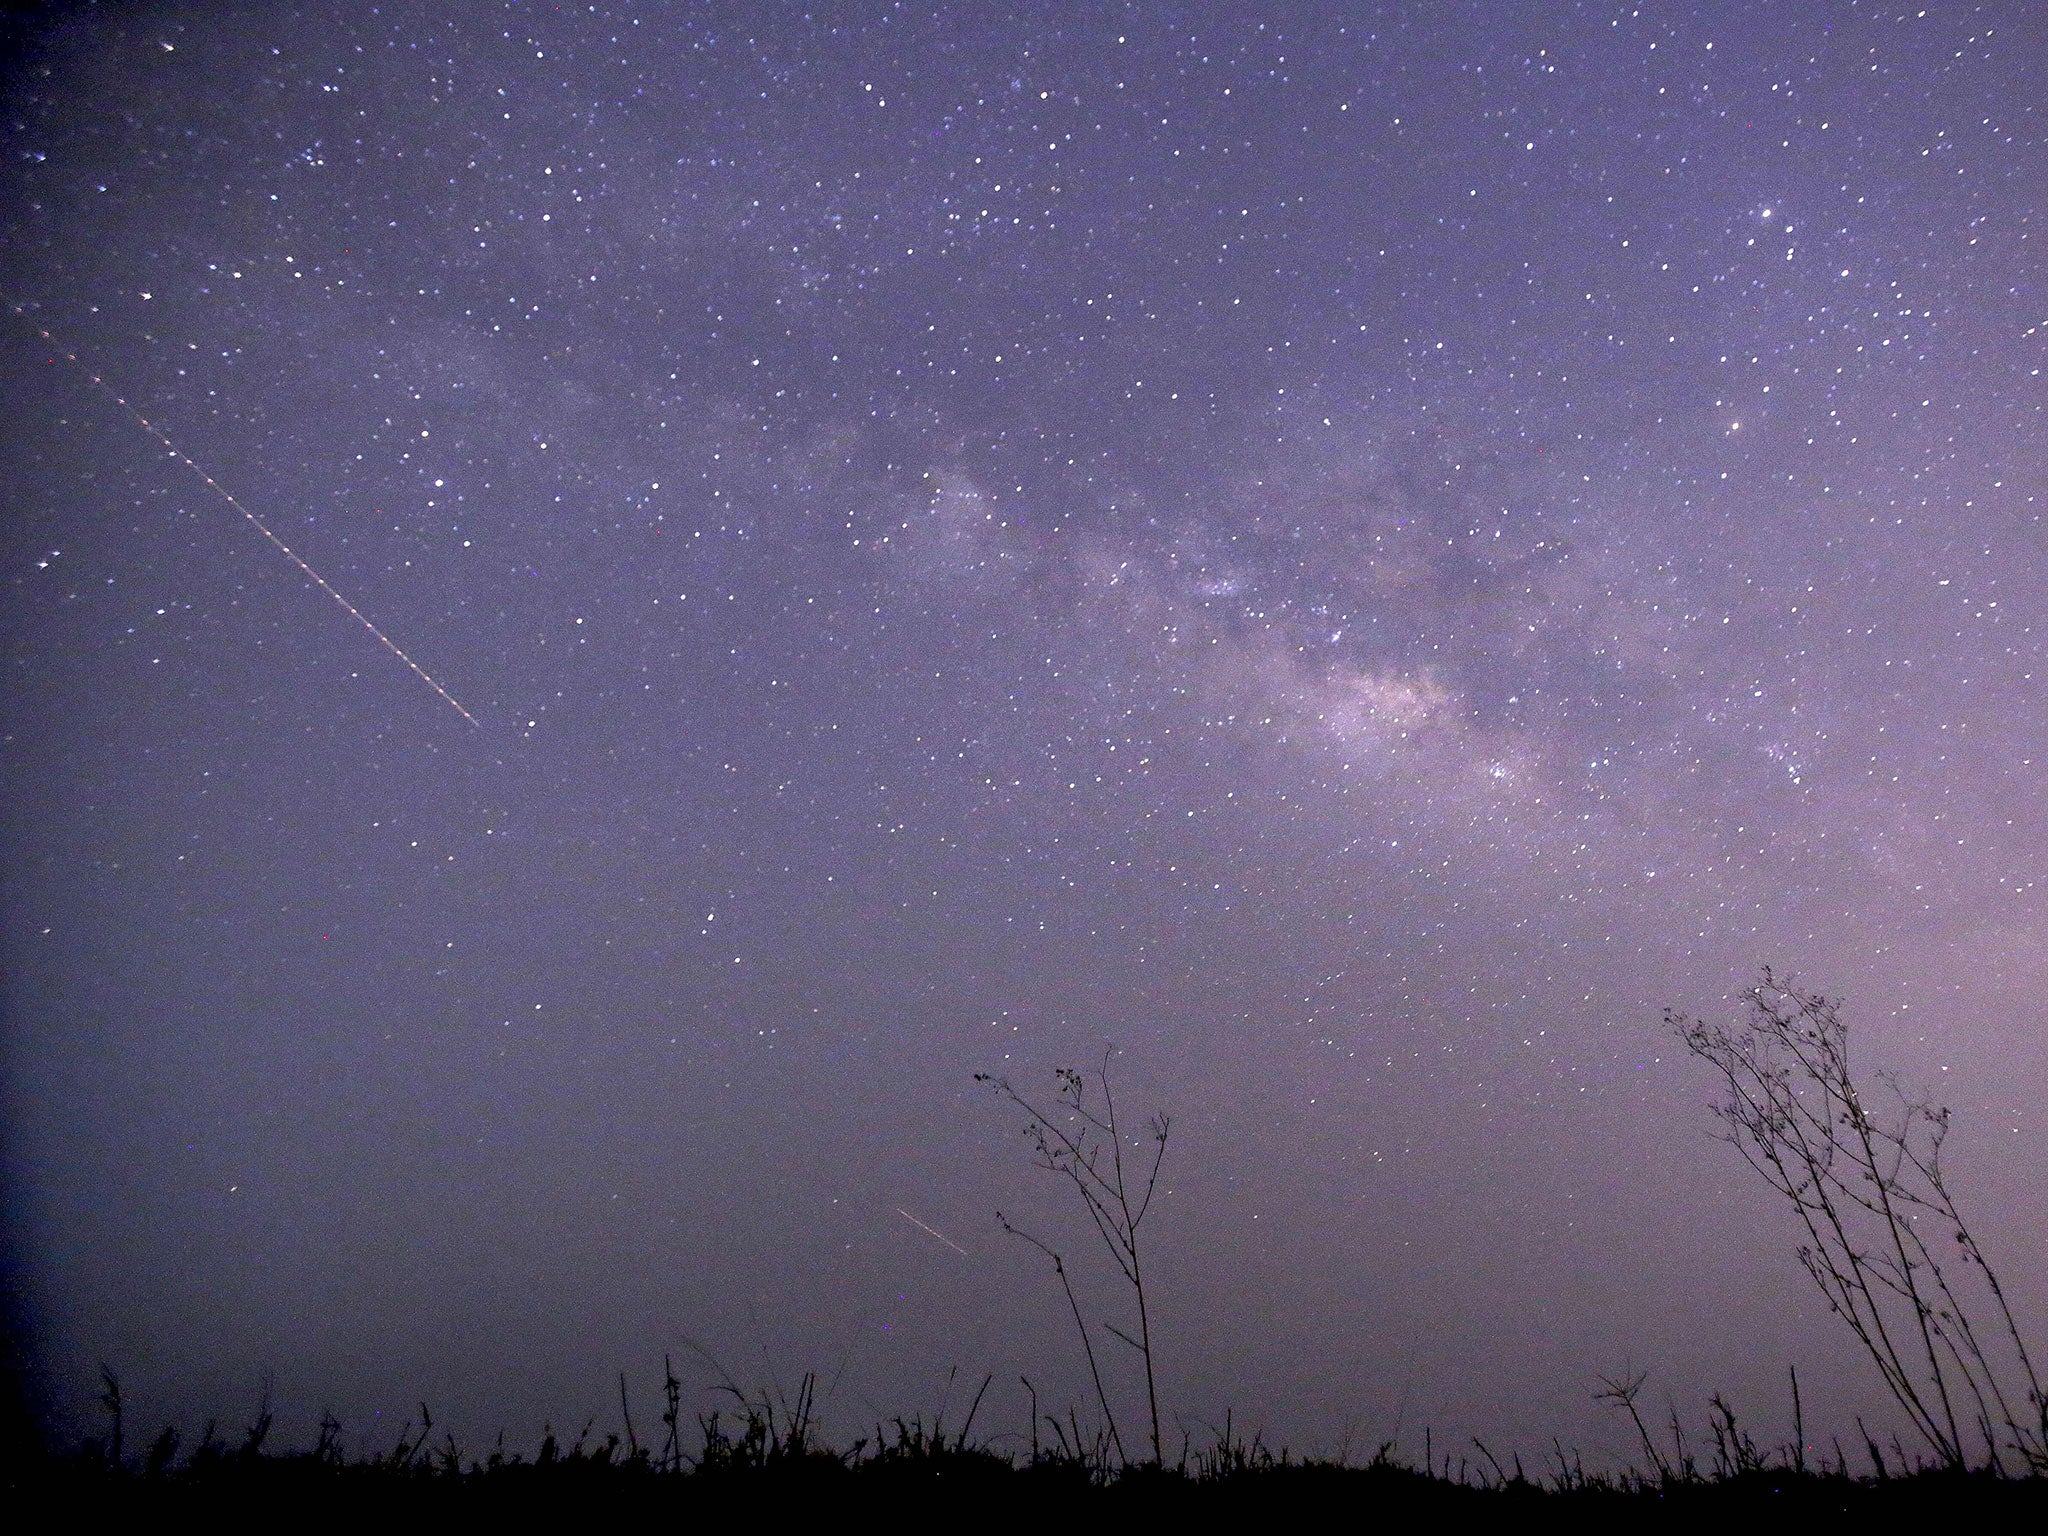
(1622,1391)
(1879,1218)
(1087,1149)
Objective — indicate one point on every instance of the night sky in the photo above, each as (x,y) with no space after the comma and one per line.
(1354,552)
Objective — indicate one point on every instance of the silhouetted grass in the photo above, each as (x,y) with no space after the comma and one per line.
(764,1455)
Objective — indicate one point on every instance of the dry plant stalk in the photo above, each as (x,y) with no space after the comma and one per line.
(1087,1149)
(1879,1217)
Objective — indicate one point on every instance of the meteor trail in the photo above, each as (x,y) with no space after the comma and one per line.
(256,522)
(934,1231)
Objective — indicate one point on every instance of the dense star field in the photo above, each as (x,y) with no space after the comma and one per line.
(1356,552)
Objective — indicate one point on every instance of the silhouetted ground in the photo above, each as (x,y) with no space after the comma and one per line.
(973,1484)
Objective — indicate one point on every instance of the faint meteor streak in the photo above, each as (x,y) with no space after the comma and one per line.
(256,522)
(934,1231)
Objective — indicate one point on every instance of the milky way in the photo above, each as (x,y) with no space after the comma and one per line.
(1356,553)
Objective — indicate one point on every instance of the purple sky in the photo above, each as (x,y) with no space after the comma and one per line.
(1357,552)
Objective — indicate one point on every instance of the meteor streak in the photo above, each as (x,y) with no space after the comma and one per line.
(256,522)
(934,1231)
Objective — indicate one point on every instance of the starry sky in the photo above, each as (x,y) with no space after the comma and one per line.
(1354,552)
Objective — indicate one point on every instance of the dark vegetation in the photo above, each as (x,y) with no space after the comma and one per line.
(1886,1245)
(1087,1150)
(763,1456)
